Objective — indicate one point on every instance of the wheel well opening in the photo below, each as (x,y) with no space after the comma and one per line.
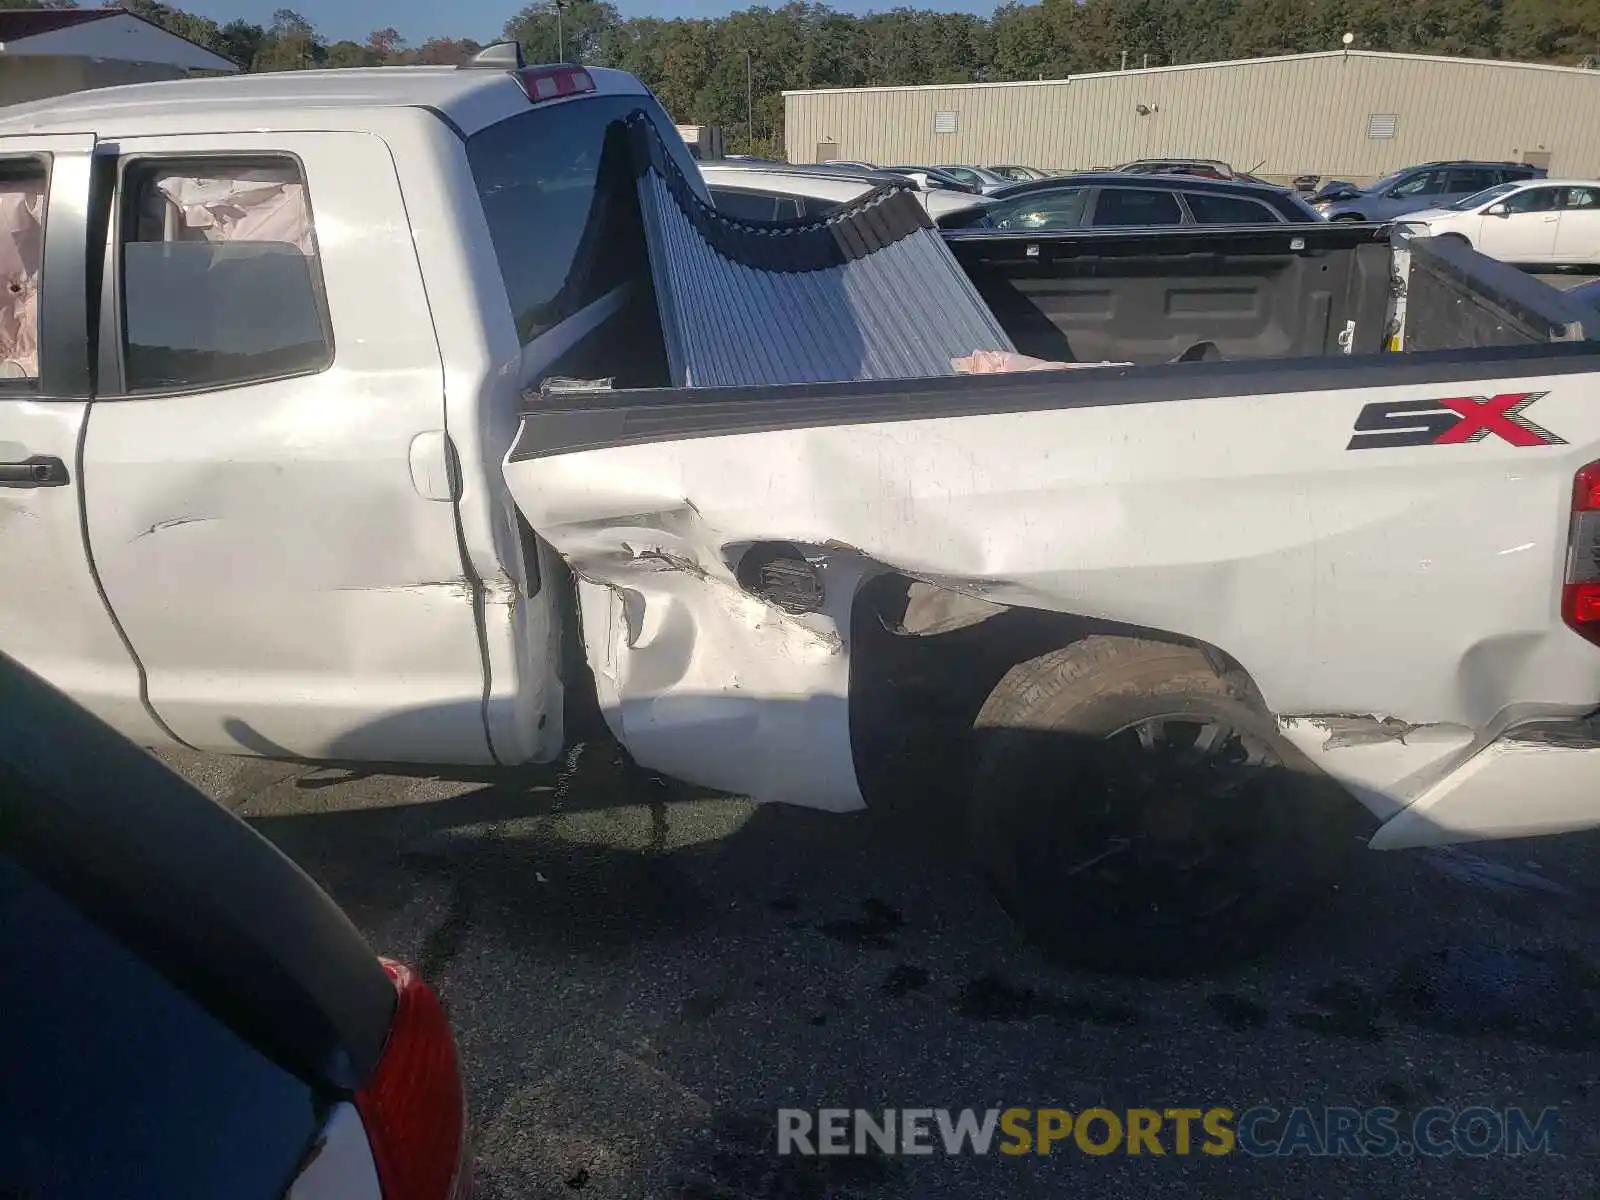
(925,658)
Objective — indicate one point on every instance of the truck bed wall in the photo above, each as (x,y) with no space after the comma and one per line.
(1457,299)
(1151,295)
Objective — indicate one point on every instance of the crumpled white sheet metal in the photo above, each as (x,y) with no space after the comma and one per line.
(869,292)
(21,259)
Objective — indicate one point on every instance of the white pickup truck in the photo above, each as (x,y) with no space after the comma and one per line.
(277,478)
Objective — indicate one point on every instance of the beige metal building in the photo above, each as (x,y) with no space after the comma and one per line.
(1351,115)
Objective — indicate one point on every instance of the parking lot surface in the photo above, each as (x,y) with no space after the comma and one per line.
(639,977)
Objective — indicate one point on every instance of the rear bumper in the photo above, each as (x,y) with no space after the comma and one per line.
(1537,779)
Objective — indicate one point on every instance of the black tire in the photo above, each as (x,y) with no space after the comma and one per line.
(1153,858)
(1456,237)
(1347,217)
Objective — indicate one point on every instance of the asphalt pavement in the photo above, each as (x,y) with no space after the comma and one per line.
(640,977)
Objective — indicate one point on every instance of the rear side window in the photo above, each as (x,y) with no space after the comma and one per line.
(1471,179)
(22,195)
(221,282)
(557,188)
(1136,206)
(1211,209)
(118,1084)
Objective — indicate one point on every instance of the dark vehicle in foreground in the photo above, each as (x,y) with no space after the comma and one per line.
(1115,201)
(1430,185)
(187,1014)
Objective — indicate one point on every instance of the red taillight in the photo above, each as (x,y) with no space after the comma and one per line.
(412,1107)
(1580,598)
(1586,489)
(551,83)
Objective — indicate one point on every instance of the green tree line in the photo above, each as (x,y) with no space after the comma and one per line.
(708,70)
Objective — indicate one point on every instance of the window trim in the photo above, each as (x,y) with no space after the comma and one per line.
(33,385)
(114,298)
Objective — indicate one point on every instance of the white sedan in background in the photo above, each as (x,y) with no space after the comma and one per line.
(1531,221)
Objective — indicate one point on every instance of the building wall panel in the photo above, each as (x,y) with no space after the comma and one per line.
(1282,116)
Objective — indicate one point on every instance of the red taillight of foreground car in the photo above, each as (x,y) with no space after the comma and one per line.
(413,1107)
(1580,598)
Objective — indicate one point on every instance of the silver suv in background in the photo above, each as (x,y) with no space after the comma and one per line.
(1430,185)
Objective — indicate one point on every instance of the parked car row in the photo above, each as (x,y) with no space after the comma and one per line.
(1428,185)
(1108,200)
(772,192)
(1509,211)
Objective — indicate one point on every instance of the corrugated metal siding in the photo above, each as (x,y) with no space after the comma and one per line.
(1305,114)
(891,311)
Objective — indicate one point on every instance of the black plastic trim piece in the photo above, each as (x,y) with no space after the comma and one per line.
(190,888)
(63,302)
(598,420)
(449,121)
(39,470)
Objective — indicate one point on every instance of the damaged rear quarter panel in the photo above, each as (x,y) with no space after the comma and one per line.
(1342,582)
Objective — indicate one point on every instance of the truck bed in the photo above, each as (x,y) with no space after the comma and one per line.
(1146,296)
(1243,294)
(1149,296)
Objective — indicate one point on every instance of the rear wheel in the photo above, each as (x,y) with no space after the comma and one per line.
(1457,238)
(1347,217)
(1135,810)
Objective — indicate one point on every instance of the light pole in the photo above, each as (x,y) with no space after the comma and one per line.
(561,37)
(749,106)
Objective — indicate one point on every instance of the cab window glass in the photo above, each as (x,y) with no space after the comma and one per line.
(221,280)
(22,197)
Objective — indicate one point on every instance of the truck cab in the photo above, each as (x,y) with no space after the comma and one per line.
(250,491)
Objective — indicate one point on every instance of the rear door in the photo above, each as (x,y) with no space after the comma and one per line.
(1527,231)
(52,617)
(1578,231)
(270,489)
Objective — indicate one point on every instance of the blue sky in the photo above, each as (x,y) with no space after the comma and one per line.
(418,20)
